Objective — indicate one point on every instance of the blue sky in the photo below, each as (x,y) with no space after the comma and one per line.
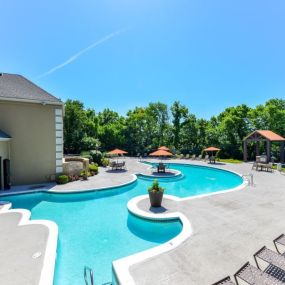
(206,54)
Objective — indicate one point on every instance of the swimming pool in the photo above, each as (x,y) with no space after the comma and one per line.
(95,228)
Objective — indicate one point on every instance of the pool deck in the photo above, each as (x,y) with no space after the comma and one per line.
(227,228)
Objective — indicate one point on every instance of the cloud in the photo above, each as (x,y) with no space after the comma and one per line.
(80,53)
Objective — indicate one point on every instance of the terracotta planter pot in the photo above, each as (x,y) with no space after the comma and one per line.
(155,198)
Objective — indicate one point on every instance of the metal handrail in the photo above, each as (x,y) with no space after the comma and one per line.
(248,178)
(88,269)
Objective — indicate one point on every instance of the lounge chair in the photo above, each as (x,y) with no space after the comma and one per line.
(193,157)
(199,157)
(279,240)
(270,257)
(253,276)
(206,157)
(161,168)
(225,281)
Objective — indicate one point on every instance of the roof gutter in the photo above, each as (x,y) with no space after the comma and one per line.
(32,101)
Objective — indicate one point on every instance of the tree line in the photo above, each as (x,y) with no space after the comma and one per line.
(143,129)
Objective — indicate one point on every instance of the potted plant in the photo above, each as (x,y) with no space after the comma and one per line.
(155,194)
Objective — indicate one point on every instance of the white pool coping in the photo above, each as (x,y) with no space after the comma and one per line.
(120,266)
(47,272)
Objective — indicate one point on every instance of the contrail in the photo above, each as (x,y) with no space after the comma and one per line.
(78,54)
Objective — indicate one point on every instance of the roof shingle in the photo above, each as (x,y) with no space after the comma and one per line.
(17,87)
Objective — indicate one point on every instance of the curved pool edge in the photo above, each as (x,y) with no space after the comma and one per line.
(48,267)
(121,266)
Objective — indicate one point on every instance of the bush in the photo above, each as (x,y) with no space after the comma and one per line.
(155,187)
(88,156)
(96,156)
(105,162)
(62,179)
(93,168)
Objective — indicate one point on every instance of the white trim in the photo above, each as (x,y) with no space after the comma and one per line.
(5,139)
(59,141)
(59,148)
(47,272)
(59,133)
(58,119)
(58,155)
(32,101)
(59,169)
(58,112)
(58,162)
(121,266)
(58,126)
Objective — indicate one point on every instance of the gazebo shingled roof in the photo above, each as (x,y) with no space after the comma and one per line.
(261,136)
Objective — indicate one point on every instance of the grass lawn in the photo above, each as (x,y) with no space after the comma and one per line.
(229,160)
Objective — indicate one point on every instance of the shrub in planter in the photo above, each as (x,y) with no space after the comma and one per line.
(105,162)
(84,174)
(62,179)
(93,168)
(155,193)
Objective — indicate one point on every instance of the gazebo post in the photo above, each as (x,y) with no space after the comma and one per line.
(282,145)
(257,148)
(245,150)
(268,150)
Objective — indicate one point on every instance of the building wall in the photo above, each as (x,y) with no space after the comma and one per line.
(36,146)
(4,153)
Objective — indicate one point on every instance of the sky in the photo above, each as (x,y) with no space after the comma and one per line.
(119,54)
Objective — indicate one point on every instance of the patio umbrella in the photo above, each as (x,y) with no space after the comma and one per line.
(161,153)
(164,148)
(117,151)
(211,149)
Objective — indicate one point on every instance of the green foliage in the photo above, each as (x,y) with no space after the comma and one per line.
(93,168)
(144,129)
(89,143)
(96,156)
(229,160)
(62,179)
(155,187)
(105,162)
(84,173)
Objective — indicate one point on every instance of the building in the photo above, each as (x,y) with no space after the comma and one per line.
(31,131)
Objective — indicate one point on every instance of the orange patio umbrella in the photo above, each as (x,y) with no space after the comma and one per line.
(164,148)
(161,152)
(117,151)
(212,148)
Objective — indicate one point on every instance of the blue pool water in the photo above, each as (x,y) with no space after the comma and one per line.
(95,228)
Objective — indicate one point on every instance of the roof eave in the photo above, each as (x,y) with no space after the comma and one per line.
(9,99)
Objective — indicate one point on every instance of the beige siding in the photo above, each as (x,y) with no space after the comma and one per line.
(4,153)
(33,144)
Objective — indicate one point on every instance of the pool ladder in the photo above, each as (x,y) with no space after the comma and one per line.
(248,178)
(86,271)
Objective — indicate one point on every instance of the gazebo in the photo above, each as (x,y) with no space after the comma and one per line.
(264,136)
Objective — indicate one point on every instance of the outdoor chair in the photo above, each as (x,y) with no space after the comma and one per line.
(193,157)
(206,157)
(161,168)
(225,281)
(212,159)
(113,165)
(281,241)
(199,157)
(271,257)
(253,276)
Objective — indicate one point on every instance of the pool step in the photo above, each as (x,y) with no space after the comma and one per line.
(90,271)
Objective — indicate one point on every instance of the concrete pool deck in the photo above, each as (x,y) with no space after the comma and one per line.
(227,228)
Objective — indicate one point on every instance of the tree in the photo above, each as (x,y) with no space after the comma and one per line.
(179,113)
